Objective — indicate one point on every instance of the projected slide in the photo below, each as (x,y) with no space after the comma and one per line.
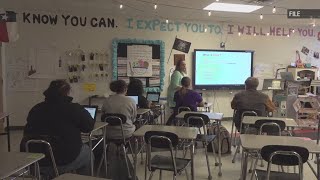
(222,67)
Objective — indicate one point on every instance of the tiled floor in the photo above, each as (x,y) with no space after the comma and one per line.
(230,171)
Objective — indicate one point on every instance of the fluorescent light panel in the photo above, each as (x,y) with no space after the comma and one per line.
(229,7)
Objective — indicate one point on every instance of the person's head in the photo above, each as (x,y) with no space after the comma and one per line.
(119,87)
(58,88)
(186,82)
(135,87)
(181,66)
(251,83)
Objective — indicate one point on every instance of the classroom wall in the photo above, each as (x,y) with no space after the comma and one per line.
(60,38)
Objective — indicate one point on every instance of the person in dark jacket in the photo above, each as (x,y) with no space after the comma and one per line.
(135,88)
(61,122)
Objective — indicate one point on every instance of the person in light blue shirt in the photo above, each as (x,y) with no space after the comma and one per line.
(175,85)
(175,82)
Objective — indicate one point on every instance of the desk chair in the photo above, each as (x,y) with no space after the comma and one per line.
(237,122)
(168,141)
(282,156)
(180,109)
(201,121)
(268,127)
(47,150)
(114,119)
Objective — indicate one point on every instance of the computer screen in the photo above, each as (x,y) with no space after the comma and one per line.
(135,98)
(92,111)
(153,97)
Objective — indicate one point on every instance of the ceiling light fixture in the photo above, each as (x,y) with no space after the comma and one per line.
(314,24)
(261,16)
(205,30)
(254,34)
(155,6)
(268,34)
(167,21)
(209,13)
(239,33)
(274,10)
(121,6)
(230,7)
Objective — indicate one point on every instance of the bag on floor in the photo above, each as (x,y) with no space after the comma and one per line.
(224,136)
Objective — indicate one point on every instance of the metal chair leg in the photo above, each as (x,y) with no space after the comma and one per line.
(125,158)
(254,168)
(214,154)
(160,175)
(150,177)
(252,161)
(208,164)
(235,153)
(232,135)
(187,174)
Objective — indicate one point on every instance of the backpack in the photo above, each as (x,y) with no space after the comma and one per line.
(224,137)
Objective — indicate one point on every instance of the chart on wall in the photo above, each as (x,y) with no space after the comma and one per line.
(140,59)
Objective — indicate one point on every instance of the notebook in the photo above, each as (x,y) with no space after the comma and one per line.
(153,96)
(92,111)
(135,98)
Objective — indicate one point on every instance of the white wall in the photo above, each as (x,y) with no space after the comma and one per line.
(61,38)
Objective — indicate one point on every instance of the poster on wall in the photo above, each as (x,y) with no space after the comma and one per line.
(139,61)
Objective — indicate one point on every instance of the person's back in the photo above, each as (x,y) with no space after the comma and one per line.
(190,99)
(120,104)
(251,99)
(59,121)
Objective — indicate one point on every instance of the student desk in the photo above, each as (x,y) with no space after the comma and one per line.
(214,117)
(68,176)
(97,126)
(256,142)
(12,162)
(189,133)
(5,116)
(250,120)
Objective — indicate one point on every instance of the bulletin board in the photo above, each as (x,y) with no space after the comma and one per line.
(140,59)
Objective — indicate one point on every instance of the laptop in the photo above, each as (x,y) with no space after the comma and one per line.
(135,99)
(92,111)
(153,97)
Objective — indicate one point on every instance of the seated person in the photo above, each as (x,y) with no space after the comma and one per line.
(121,104)
(251,99)
(60,122)
(185,97)
(135,88)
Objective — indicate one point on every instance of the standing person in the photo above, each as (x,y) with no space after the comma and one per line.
(175,84)
(121,104)
(250,98)
(60,122)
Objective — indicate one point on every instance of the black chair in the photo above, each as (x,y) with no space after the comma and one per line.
(201,121)
(114,119)
(282,156)
(237,122)
(42,146)
(270,127)
(180,109)
(168,141)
